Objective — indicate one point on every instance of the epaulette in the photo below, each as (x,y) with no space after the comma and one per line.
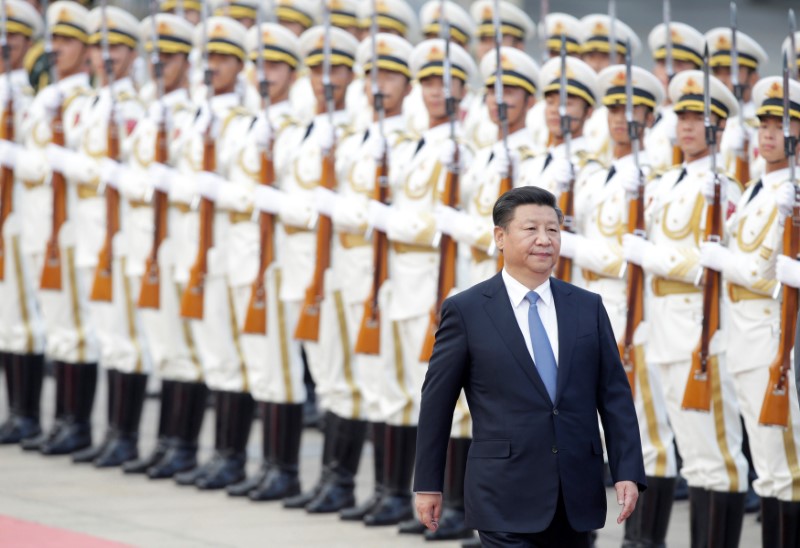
(732,178)
(752,123)
(347,129)
(525,153)
(80,92)
(124,96)
(585,157)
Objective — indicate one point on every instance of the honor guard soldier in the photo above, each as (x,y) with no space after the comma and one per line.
(602,211)
(156,143)
(423,178)
(517,28)
(274,364)
(206,300)
(188,9)
(710,442)
(298,16)
(674,52)
(754,328)
(21,330)
(738,144)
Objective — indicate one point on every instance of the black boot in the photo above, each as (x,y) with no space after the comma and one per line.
(789,524)
(125,446)
(140,466)
(28,372)
(282,479)
(187,413)
(396,506)
(647,526)
(59,375)
(699,516)
(770,521)
(190,477)
(11,370)
(114,382)
(339,491)
(242,488)
(357,513)
(726,515)
(76,433)
(330,429)
(451,523)
(230,468)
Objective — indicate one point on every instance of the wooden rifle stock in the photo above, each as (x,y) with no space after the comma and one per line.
(51,271)
(255,321)
(566,202)
(193,295)
(743,165)
(506,184)
(677,155)
(102,286)
(6,183)
(448,251)
(775,409)
(308,324)
(697,395)
(368,339)
(150,291)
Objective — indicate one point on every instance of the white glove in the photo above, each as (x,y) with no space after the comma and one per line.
(714,256)
(447,154)
(205,120)
(378,215)
(671,128)
(51,99)
(208,185)
(561,173)
(634,248)
(59,157)
(446,217)
(160,176)
(787,271)
(262,130)
(569,244)
(325,201)
(629,177)
(784,197)
(734,138)
(708,189)
(9,152)
(268,199)
(157,112)
(503,161)
(377,147)
(325,133)
(110,172)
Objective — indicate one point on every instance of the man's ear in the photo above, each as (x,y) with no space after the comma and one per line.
(499,238)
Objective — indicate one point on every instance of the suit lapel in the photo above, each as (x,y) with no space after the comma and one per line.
(567,321)
(498,307)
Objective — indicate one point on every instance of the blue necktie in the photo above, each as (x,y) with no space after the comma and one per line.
(543,356)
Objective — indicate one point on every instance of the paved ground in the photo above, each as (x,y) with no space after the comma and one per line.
(107,504)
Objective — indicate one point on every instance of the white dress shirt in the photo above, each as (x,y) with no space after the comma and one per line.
(545,305)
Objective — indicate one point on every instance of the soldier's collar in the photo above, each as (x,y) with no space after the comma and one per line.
(701,165)
(775,179)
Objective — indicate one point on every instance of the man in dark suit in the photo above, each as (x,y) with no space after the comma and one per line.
(535,468)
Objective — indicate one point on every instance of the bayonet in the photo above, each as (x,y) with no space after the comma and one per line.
(612,32)
(667,13)
(326,62)
(544,8)
(566,121)
(793,44)
(499,89)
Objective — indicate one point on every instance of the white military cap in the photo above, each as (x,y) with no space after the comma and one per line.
(344,13)
(518,69)
(237,9)
(22,18)
(279,44)
(225,36)
(513,21)
(343,47)
(396,15)
(557,24)
(461,24)
(595,32)
(68,19)
(751,54)
(427,59)
(581,79)
(188,5)
(686,93)
(647,89)
(174,33)
(768,97)
(123,28)
(393,53)
(304,12)
(687,43)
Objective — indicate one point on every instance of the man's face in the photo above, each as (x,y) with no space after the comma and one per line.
(770,138)
(70,55)
(394,86)
(18,45)
(518,102)
(577,109)
(280,77)
(486,44)
(341,76)
(532,240)
(293,26)
(224,70)
(599,60)
(691,132)
(433,95)
(176,65)
(747,77)
(122,58)
(660,69)
(618,125)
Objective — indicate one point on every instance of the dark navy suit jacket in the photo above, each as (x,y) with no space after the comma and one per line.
(525,446)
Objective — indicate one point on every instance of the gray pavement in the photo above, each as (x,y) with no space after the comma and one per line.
(136,511)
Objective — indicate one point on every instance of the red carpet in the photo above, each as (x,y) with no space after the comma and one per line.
(16,533)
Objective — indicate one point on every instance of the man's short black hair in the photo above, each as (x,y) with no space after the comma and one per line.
(506,204)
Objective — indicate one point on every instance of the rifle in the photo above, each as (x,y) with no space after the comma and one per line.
(612,32)
(308,324)
(544,8)
(102,285)
(194,294)
(743,159)
(150,290)
(792,45)
(507,182)
(448,251)
(636,225)
(775,409)
(7,127)
(697,396)
(566,200)
(368,339)
(255,321)
(51,269)
(677,153)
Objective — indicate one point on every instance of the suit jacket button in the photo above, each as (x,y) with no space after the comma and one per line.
(555,411)
(555,449)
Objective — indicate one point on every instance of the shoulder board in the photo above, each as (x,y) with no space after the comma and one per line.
(128,96)
(80,92)
(347,130)
(526,153)
(585,158)
(732,178)
(752,123)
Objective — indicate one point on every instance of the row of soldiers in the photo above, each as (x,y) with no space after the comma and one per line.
(304,192)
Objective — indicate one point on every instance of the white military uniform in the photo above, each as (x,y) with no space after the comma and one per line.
(540,174)
(658,140)
(729,155)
